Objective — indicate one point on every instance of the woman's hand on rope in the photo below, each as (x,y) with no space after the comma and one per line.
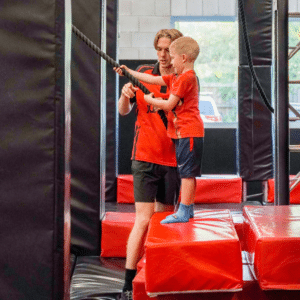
(119,70)
(129,90)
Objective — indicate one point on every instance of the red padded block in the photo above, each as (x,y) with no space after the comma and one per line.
(294,194)
(199,256)
(139,292)
(210,189)
(238,221)
(125,189)
(141,264)
(219,189)
(273,245)
(138,284)
(116,228)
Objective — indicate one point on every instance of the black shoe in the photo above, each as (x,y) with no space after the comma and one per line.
(127,295)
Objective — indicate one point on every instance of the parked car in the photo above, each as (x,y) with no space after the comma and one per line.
(292,116)
(208,109)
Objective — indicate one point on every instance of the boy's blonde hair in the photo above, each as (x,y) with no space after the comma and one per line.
(186,45)
(171,34)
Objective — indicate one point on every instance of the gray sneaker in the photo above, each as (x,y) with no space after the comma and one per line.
(127,295)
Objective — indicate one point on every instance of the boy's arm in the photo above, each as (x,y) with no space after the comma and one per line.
(142,76)
(162,104)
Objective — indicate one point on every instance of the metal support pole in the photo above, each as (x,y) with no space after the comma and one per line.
(282,194)
(67,185)
(102,166)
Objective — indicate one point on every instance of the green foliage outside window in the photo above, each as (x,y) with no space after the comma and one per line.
(217,64)
(294,62)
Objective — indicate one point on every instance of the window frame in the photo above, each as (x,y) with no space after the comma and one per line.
(175,19)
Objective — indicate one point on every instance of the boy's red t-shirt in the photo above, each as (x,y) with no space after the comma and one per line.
(151,142)
(184,119)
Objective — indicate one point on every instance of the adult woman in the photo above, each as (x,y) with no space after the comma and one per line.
(156,181)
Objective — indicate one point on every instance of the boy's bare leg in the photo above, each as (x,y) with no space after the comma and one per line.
(186,207)
(188,189)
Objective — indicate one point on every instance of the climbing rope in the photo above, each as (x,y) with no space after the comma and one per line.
(112,62)
(249,57)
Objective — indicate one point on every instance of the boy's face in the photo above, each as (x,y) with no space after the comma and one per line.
(176,61)
(163,53)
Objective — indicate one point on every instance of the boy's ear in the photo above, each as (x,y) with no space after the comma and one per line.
(184,57)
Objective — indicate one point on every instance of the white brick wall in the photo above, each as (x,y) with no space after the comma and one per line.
(178,7)
(143,7)
(210,7)
(163,8)
(294,5)
(139,20)
(194,7)
(227,8)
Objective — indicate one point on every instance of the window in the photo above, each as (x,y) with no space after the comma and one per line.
(217,64)
(294,71)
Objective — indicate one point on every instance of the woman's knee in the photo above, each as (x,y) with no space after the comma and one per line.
(142,221)
(143,214)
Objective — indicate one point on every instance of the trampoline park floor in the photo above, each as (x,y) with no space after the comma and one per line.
(97,278)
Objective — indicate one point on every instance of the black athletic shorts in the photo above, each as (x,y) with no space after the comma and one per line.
(189,156)
(153,181)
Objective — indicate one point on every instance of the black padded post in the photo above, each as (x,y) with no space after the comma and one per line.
(255,119)
(32,151)
(111,104)
(85,160)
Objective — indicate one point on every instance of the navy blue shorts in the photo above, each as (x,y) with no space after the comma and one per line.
(189,156)
(155,182)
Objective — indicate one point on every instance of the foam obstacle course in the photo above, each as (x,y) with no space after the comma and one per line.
(53,249)
(217,255)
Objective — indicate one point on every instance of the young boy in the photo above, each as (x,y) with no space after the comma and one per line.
(185,125)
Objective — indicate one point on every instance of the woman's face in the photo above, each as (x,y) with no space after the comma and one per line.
(163,53)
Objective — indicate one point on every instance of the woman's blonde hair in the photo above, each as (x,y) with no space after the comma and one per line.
(186,45)
(171,34)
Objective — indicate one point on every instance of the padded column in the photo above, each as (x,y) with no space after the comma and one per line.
(32,167)
(255,120)
(111,104)
(85,160)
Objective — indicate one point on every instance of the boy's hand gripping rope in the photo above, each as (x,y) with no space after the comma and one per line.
(115,64)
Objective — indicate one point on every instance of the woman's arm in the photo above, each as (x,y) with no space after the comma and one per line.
(124,104)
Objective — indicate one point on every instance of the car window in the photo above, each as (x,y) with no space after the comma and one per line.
(206,108)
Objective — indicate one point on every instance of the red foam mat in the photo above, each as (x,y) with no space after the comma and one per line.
(125,189)
(273,245)
(218,189)
(209,189)
(238,221)
(139,292)
(251,290)
(294,194)
(203,255)
(116,228)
